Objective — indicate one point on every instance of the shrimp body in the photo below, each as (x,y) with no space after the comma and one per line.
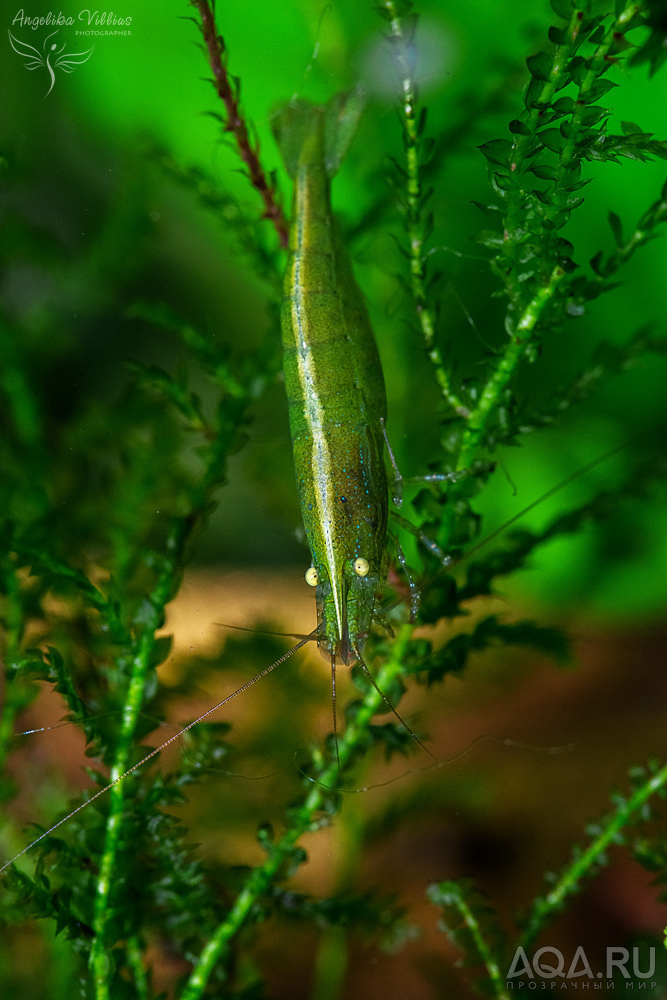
(337,402)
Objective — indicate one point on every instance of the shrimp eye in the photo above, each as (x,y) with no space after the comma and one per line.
(361,566)
(312,577)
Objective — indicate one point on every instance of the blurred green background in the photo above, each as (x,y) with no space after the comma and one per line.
(91,223)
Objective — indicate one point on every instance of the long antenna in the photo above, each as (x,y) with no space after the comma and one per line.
(389,705)
(333,706)
(572,477)
(553,490)
(102,791)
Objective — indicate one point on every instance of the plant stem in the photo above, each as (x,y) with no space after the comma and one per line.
(505,369)
(547,907)
(643,232)
(236,123)
(303,819)
(331,964)
(483,949)
(569,159)
(174,558)
(414,225)
(141,656)
(519,159)
(135,961)
(13,701)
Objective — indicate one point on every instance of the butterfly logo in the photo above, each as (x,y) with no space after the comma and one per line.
(53,58)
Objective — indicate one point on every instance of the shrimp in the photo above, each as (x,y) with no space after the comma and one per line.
(335,387)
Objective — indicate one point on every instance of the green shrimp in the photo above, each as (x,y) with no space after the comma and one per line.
(335,387)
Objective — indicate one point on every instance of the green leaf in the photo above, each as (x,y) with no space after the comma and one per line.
(490,210)
(539,65)
(543,171)
(473,926)
(563,8)
(578,68)
(593,115)
(497,151)
(653,49)
(553,139)
(161,650)
(564,105)
(600,88)
(596,262)
(616,228)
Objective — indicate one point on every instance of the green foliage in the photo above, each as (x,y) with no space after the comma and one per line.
(471,924)
(610,830)
(108,494)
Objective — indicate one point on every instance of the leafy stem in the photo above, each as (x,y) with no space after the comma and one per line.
(466,903)
(531,260)
(570,157)
(471,922)
(504,371)
(547,907)
(655,214)
(416,229)
(140,658)
(140,654)
(15,697)
(523,145)
(134,955)
(228,92)
(302,818)
(44,562)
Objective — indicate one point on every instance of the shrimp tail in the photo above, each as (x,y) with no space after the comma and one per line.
(300,126)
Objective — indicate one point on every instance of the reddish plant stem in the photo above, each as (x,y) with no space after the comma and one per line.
(235,121)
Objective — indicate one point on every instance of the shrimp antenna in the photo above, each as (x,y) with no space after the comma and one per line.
(244,687)
(315,53)
(516,517)
(310,637)
(389,705)
(439,764)
(333,707)
(554,489)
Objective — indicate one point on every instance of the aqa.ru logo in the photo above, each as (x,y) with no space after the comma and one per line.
(51,58)
(549,963)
